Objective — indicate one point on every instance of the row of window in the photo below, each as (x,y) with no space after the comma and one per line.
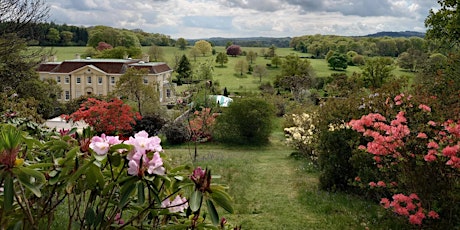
(88,80)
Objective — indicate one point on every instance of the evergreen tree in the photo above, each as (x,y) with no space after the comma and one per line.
(184,69)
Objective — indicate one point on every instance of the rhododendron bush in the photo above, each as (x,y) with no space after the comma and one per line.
(102,182)
(418,158)
(301,133)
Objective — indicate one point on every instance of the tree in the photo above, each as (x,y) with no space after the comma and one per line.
(156,53)
(221,58)
(293,65)
(260,71)
(66,37)
(251,56)
(132,86)
(246,121)
(377,70)
(234,50)
(184,69)
(276,60)
(338,60)
(101,46)
(443,24)
(194,52)
(203,47)
(53,36)
(241,67)
(181,43)
(412,59)
(271,51)
(110,117)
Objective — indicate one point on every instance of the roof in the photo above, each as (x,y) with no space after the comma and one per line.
(110,66)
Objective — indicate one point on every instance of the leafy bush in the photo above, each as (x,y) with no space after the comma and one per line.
(245,121)
(300,134)
(151,124)
(176,133)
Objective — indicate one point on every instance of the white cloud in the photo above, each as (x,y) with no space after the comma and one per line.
(246,18)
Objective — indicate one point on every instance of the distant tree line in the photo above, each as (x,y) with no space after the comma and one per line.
(248,42)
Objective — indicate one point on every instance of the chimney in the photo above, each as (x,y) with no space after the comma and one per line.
(145,58)
(77,56)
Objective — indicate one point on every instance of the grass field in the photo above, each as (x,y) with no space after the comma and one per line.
(226,75)
(272,190)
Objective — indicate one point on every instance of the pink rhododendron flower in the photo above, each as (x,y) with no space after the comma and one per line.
(432,123)
(179,204)
(422,135)
(450,151)
(424,108)
(372,184)
(133,168)
(139,160)
(385,202)
(381,184)
(433,145)
(429,157)
(433,215)
(155,166)
(101,145)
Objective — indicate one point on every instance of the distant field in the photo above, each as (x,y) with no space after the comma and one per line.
(226,75)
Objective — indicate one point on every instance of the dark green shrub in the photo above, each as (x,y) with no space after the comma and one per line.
(246,121)
(151,124)
(176,133)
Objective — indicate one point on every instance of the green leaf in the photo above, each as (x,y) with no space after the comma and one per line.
(8,189)
(212,212)
(140,193)
(40,165)
(24,176)
(90,216)
(126,191)
(195,200)
(222,199)
(72,180)
(115,160)
(96,173)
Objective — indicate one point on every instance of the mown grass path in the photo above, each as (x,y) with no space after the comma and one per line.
(272,190)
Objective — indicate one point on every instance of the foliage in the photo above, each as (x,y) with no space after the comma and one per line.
(241,67)
(103,182)
(410,145)
(300,134)
(181,43)
(103,46)
(443,23)
(13,106)
(112,117)
(152,124)
(338,60)
(221,58)
(120,52)
(260,71)
(112,36)
(245,121)
(184,69)
(412,59)
(251,57)
(203,47)
(176,133)
(156,53)
(45,92)
(132,85)
(234,50)
(377,70)
(201,125)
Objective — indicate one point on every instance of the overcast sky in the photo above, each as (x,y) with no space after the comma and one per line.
(246,18)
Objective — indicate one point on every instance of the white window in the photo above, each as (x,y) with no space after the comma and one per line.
(78,80)
(58,79)
(88,79)
(67,79)
(99,80)
(168,93)
(59,96)
(112,80)
(67,95)
(146,81)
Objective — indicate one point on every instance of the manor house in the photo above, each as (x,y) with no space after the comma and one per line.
(89,76)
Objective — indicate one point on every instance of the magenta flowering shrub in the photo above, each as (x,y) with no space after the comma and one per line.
(104,183)
(416,155)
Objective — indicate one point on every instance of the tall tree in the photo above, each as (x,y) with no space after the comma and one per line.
(203,47)
(184,69)
(377,70)
(133,86)
(338,60)
(181,43)
(234,50)
(156,53)
(241,66)
(444,23)
(194,52)
(251,56)
(221,58)
(260,71)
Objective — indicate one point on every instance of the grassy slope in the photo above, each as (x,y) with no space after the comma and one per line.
(274,191)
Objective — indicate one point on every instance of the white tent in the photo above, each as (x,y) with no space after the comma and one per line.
(222,101)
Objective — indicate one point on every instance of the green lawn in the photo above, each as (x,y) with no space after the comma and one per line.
(272,190)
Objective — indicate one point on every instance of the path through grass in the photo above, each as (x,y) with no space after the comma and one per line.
(272,190)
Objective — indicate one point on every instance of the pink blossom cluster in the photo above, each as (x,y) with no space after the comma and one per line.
(179,204)
(387,138)
(409,206)
(145,155)
(445,144)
